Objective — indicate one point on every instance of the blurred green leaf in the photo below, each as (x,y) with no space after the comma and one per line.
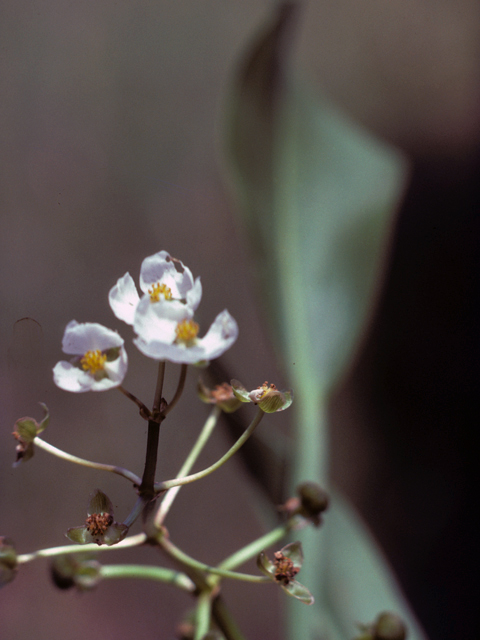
(317,196)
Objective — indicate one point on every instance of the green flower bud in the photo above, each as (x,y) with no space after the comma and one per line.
(389,626)
(8,561)
(78,571)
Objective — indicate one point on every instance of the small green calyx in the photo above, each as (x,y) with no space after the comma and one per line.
(100,526)
(267,397)
(8,561)
(79,571)
(285,566)
(26,430)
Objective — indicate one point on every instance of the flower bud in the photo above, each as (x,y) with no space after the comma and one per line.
(8,561)
(389,626)
(78,571)
(26,430)
(222,395)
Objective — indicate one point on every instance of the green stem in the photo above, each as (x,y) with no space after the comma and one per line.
(86,463)
(188,464)
(179,391)
(253,549)
(132,541)
(180,556)
(224,620)
(168,484)
(203,614)
(159,574)
(135,512)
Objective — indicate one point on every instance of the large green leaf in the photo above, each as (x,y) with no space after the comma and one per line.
(317,196)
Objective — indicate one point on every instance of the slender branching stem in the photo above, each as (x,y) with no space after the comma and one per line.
(176,482)
(203,614)
(86,463)
(146,490)
(144,410)
(135,512)
(187,561)
(179,391)
(159,574)
(132,541)
(202,439)
(158,390)
(253,548)
(224,620)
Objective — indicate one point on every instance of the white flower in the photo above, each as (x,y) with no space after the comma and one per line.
(178,342)
(100,361)
(167,286)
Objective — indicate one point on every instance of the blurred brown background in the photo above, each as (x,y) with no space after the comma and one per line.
(110,118)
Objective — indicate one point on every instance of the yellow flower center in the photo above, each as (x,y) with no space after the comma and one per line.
(158,290)
(93,361)
(186,331)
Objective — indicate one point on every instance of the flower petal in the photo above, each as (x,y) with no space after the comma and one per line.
(158,321)
(124,298)
(194,296)
(71,378)
(220,337)
(89,336)
(161,268)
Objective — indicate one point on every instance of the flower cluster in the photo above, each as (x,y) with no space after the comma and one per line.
(162,319)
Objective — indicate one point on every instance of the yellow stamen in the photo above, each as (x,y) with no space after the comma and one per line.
(93,361)
(186,331)
(265,388)
(158,290)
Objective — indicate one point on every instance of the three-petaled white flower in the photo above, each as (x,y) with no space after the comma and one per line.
(163,317)
(99,362)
